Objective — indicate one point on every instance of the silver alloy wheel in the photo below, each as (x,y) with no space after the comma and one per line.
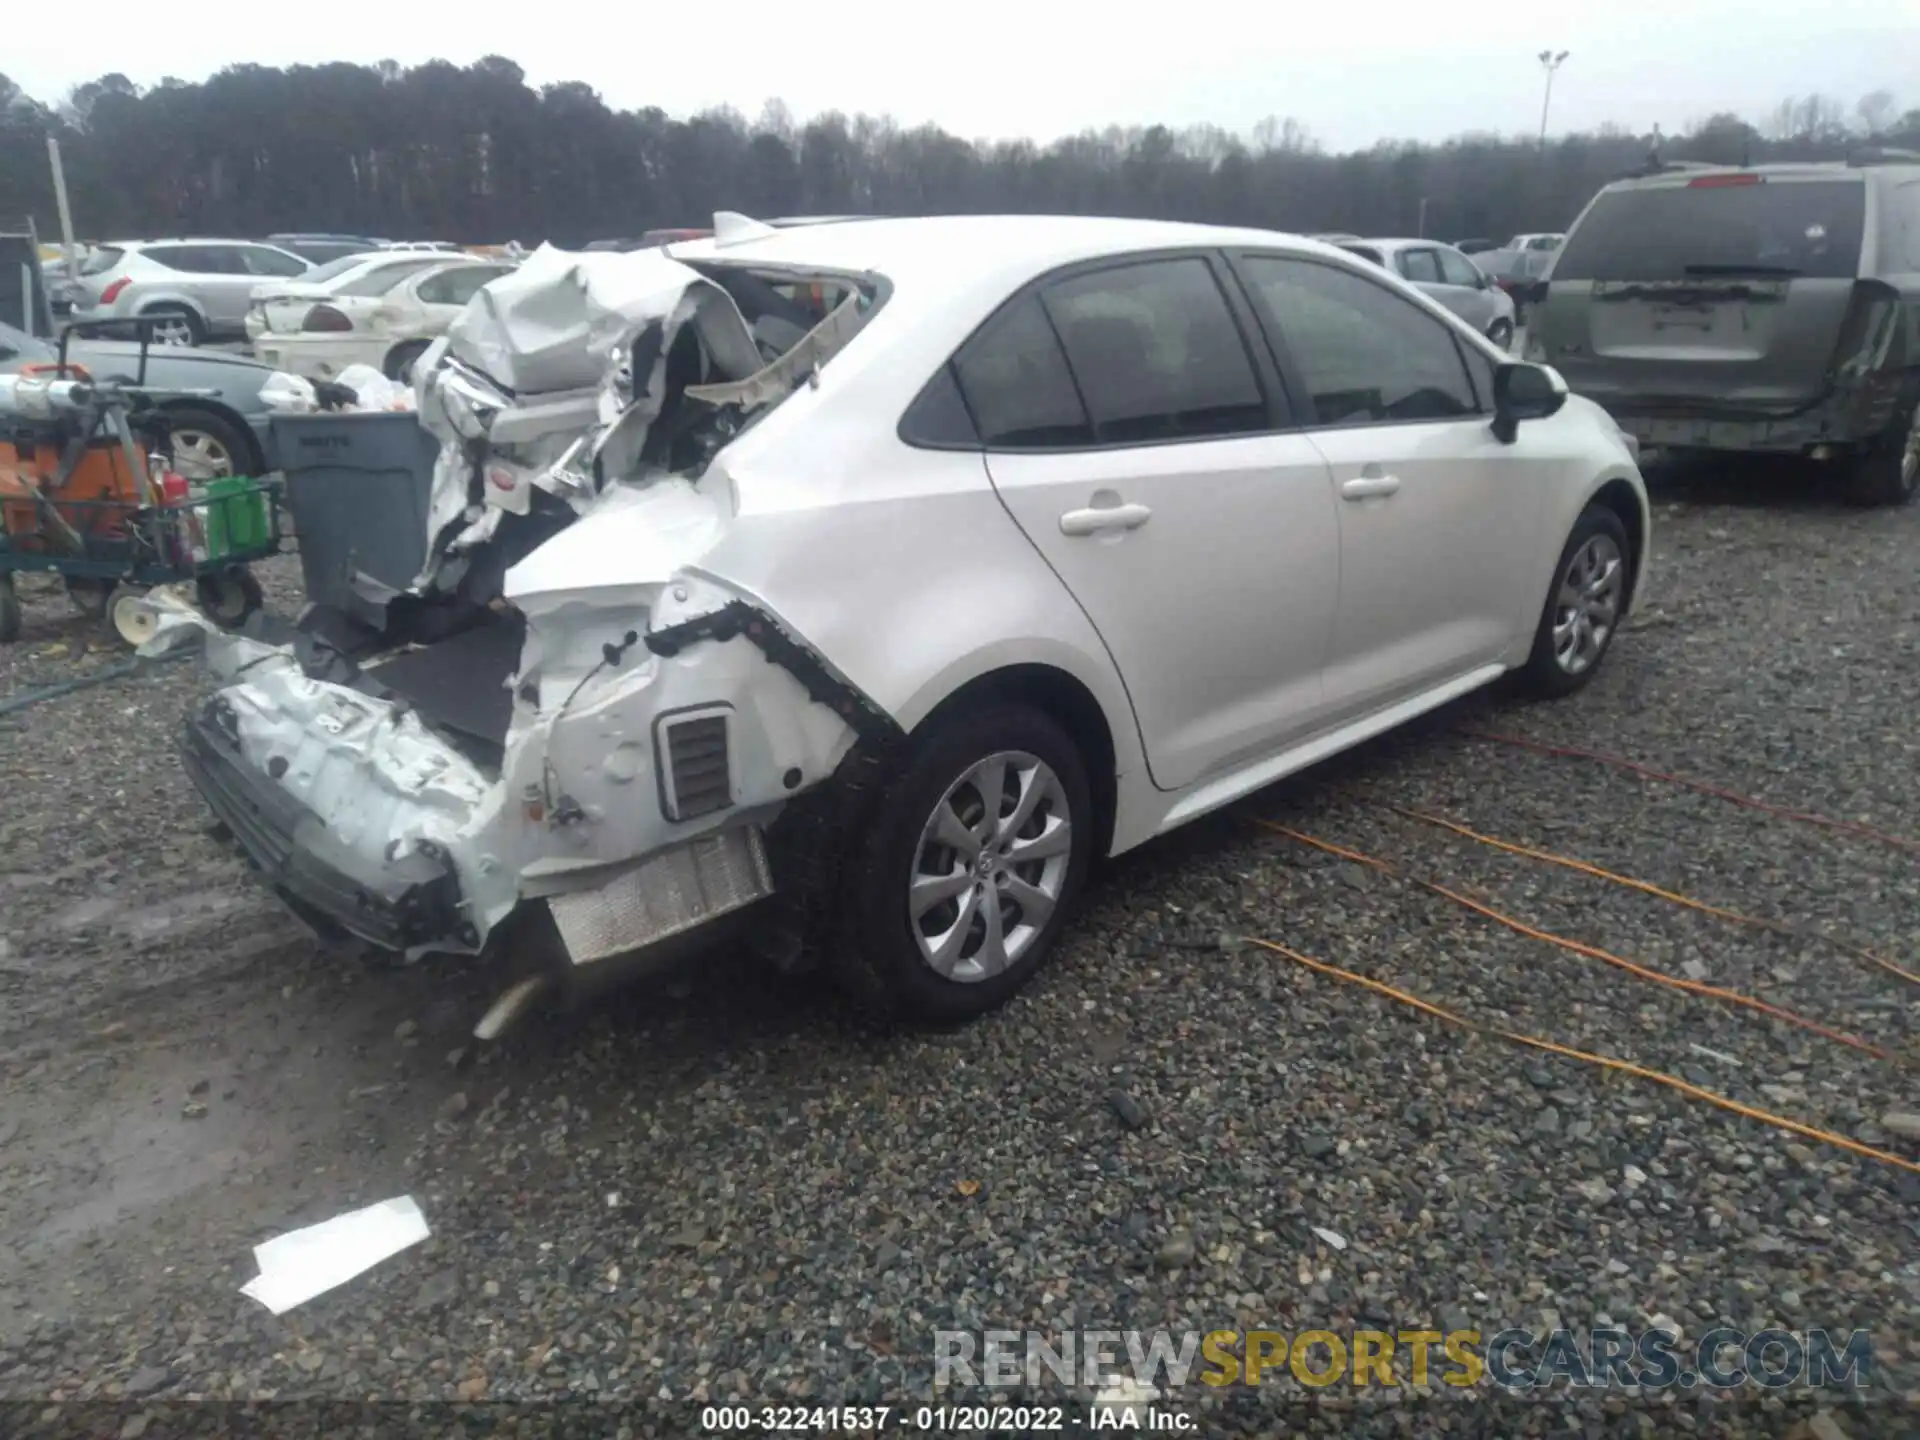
(172,328)
(1587,605)
(990,866)
(200,456)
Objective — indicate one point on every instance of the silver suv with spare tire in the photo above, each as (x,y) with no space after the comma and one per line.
(1767,309)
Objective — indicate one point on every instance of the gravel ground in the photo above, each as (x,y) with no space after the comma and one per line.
(717,1188)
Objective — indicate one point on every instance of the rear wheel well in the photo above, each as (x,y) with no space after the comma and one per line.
(1070,704)
(252,461)
(1618,497)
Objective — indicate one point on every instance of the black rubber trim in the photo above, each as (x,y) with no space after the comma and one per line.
(393,904)
(739,619)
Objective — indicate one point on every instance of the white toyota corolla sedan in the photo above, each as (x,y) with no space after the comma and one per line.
(888,574)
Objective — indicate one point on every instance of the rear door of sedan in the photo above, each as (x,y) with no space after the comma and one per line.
(1440,523)
(1137,431)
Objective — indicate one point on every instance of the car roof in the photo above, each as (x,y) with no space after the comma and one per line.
(987,250)
(1679,174)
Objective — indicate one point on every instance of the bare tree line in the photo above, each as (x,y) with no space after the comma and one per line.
(475,154)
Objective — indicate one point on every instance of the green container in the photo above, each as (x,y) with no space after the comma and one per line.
(236,517)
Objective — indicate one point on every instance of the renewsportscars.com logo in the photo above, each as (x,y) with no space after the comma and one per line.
(1516,1360)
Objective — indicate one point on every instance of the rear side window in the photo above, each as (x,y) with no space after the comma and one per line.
(277,264)
(382,278)
(1709,227)
(1156,353)
(457,287)
(1456,269)
(1365,252)
(1016,382)
(101,260)
(1420,266)
(1366,354)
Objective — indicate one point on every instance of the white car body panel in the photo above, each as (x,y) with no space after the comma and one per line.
(380,322)
(1259,621)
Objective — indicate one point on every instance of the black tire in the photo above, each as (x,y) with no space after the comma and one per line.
(1887,472)
(229,596)
(196,330)
(1547,673)
(235,439)
(89,596)
(873,949)
(1501,333)
(11,616)
(402,356)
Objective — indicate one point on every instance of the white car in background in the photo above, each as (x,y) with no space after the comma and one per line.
(896,572)
(383,311)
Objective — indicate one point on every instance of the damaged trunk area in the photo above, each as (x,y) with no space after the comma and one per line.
(557,709)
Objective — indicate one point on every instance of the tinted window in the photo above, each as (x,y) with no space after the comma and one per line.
(1420,266)
(262,261)
(189,258)
(457,287)
(1017,384)
(1156,353)
(1366,354)
(101,260)
(1456,269)
(939,416)
(1365,252)
(1673,232)
(379,279)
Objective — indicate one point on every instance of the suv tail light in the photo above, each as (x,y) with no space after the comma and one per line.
(112,292)
(324,318)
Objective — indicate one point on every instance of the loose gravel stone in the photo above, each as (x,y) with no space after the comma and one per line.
(791,1221)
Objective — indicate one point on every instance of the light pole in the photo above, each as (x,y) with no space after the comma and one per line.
(1550,62)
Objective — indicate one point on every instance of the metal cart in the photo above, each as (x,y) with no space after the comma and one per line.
(88,492)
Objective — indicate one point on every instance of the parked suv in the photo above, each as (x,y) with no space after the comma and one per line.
(1754,309)
(201,286)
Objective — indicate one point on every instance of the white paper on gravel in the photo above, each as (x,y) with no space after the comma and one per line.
(301,1264)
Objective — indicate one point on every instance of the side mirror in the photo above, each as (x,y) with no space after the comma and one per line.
(1524,392)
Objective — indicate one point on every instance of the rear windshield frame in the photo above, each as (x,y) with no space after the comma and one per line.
(1653,233)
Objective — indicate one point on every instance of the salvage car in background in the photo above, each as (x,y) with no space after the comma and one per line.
(1147,516)
(200,287)
(224,433)
(383,313)
(1449,277)
(1765,309)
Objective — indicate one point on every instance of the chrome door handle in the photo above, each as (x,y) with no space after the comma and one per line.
(1094,520)
(1363,487)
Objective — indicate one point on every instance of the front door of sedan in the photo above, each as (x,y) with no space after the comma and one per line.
(1440,524)
(1132,423)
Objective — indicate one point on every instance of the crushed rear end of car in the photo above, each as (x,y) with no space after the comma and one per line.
(563,725)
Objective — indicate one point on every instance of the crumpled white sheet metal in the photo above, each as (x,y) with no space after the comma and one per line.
(533,386)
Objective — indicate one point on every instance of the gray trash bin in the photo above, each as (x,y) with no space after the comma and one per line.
(357,488)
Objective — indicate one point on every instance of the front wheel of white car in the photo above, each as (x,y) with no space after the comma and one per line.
(1585,606)
(959,887)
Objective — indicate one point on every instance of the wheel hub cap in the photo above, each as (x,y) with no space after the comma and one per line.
(990,866)
(1587,605)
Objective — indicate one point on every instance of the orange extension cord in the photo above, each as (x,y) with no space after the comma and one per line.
(1606,1062)
(1672,982)
(1805,817)
(1777,927)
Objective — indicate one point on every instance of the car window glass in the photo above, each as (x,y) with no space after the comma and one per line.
(1365,252)
(379,279)
(260,260)
(1366,354)
(1456,269)
(1156,353)
(190,259)
(1905,215)
(457,287)
(1420,266)
(101,260)
(1016,382)
(1707,226)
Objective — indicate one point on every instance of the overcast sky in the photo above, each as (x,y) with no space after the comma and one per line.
(1352,73)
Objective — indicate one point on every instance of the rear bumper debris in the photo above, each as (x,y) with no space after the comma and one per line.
(402,903)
